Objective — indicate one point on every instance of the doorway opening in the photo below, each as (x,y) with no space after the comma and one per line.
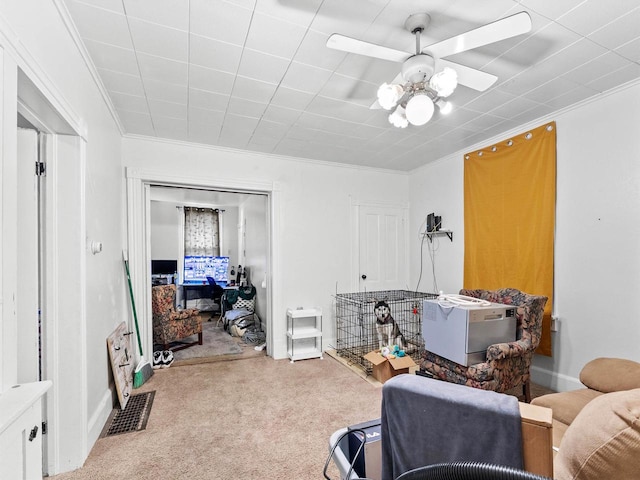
(139,196)
(236,241)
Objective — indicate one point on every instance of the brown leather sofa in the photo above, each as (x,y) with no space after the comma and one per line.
(596,429)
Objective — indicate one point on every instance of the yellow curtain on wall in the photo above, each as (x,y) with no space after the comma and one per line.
(509,217)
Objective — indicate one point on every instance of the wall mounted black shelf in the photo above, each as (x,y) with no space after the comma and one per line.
(439,233)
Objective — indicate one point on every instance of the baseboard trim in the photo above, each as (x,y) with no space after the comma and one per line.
(99,418)
(553,380)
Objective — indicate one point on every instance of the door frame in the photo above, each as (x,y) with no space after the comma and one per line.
(139,243)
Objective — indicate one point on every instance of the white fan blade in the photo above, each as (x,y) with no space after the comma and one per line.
(492,32)
(352,45)
(467,76)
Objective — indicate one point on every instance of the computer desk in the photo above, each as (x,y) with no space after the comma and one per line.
(199,287)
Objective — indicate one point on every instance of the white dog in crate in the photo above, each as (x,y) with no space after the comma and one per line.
(388,331)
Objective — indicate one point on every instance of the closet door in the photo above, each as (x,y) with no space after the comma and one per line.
(382,248)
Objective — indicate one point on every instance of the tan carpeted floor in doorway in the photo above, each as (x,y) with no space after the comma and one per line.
(254,418)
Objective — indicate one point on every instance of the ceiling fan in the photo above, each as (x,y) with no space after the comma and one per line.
(426,79)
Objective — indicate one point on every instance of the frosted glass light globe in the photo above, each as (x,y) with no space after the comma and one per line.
(388,95)
(419,110)
(398,118)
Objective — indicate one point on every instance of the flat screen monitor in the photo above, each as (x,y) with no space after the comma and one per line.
(197,268)
(164,267)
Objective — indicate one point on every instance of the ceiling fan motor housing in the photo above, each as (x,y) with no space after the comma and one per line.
(418,68)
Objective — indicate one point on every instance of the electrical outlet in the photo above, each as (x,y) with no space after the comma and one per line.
(555,323)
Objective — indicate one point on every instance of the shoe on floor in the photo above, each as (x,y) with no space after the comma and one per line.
(167,358)
(157,360)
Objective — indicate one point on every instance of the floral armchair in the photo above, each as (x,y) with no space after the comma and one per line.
(507,364)
(171,325)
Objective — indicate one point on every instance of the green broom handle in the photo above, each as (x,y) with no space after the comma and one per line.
(133,306)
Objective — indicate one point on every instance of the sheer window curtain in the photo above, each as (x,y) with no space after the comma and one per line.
(201,231)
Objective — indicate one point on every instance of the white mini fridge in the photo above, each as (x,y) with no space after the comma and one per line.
(462,333)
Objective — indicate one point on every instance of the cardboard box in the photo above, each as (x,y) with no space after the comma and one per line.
(385,368)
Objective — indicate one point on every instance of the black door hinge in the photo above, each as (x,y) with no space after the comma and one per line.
(41,168)
(44,428)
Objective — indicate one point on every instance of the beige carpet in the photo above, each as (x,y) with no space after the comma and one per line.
(217,345)
(256,418)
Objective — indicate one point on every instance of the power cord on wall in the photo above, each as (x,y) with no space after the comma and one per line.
(432,246)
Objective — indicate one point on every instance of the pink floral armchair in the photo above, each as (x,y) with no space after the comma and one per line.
(507,364)
(171,325)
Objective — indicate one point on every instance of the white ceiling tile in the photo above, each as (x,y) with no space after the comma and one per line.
(551,8)
(300,13)
(250,89)
(101,25)
(160,108)
(171,13)
(262,38)
(513,107)
(536,112)
(349,89)
(573,96)
(291,98)
(281,115)
(220,20)
(262,66)
(489,100)
(369,69)
(237,123)
(314,51)
(246,108)
(109,57)
(272,130)
(618,32)
(200,116)
(591,15)
(348,18)
(214,54)
(122,82)
(630,50)
(168,92)
(552,89)
(136,122)
(630,73)
(208,100)
(131,103)
(597,67)
(159,41)
(169,127)
(203,78)
(305,78)
(113,5)
(206,134)
(162,69)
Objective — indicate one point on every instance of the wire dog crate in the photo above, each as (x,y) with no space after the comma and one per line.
(356,322)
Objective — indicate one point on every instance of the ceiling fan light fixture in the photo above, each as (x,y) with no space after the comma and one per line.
(398,118)
(444,82)
(419,109)
(444,106)
(389,94)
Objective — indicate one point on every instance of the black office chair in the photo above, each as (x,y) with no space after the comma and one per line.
(216,296)
(468,471)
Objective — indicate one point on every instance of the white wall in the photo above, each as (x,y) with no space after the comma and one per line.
(597,254)
(254,215)
(40,44)
(164,235)
(313,243)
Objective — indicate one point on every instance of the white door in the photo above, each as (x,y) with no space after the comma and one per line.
(27,301)
(382,248)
